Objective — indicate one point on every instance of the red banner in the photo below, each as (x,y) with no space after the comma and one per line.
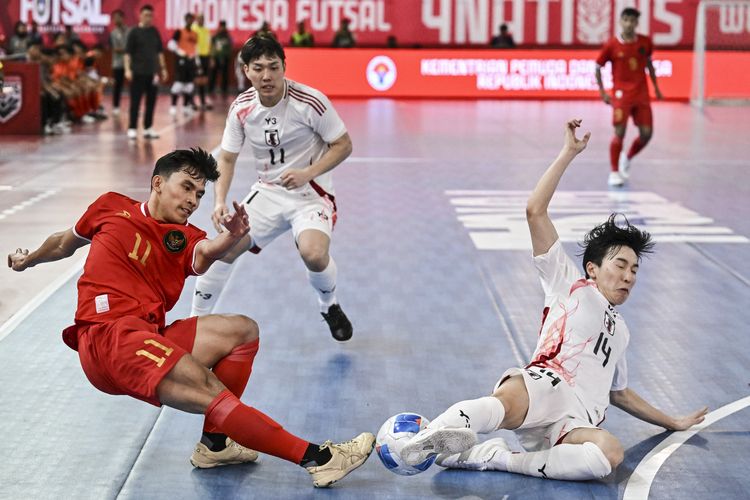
(532,74)
(428,23)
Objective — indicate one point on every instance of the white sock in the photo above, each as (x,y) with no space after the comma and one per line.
(482,415)
(324,283)
(208,288)
(576,462)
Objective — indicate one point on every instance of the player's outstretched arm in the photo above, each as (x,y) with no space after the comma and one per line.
(543,232)
(628,400)
(602,93)
(57,246)
(338,151)
(236,226)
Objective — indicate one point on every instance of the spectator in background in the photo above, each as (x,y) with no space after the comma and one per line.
(504,40)
(302,37)
(184,44)
(70,35)
(118,37)
(204,59)
(144,57)
(391,42)
(221,53)
(19,42)
(53,104)
(239,72)
(344,38)
(265,30)
(34,35)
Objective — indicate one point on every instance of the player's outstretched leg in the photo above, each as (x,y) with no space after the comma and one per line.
(571,462)
(191,387)
(615,150)
(455,430)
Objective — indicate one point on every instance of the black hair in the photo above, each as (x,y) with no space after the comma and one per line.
(261,45)
(607,238)
(196,162)
(630,11)
(118,11)
(147,7)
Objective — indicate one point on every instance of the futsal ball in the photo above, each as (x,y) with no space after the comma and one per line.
(393,435)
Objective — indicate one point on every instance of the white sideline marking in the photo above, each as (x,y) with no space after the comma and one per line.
(39,299)
(639,484)
(25,204)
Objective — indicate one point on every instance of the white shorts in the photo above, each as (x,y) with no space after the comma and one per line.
(273,211)
(554,408)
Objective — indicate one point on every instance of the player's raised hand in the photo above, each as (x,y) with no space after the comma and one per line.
(293,178)
(220,211)
(571,141)
(238,223)
(686,422)
(17,260)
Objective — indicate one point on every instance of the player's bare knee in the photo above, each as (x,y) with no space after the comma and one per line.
(316,258)
(611,448)
(248,329)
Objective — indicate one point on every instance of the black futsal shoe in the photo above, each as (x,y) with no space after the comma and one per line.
(341,327)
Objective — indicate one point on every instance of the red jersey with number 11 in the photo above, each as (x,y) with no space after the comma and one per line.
(136,265)
(629,62)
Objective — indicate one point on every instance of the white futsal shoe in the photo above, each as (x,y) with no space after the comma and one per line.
(132,133)
(430,442)
(615,180)
(493,454)
(623,166)
(234,453)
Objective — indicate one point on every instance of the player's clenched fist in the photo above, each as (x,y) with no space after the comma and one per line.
(17,260)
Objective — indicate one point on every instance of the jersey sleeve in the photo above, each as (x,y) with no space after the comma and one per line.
(234,131)
(620,380)
(329,125)
(557,273)
(195,236)
(604,55)
(91,220)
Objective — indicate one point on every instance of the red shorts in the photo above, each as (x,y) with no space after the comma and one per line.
(639,109)
(131,356)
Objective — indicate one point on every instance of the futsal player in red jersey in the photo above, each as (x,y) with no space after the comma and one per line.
(630,54)
(141,253)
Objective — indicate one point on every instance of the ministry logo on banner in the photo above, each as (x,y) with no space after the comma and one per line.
(496,220)
(11,98)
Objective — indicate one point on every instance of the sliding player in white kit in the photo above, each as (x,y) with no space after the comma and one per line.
(556,404)
(296,138)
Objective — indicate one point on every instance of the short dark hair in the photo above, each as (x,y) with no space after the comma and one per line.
(196,162)
(261,45)
(607,238)
(147,7)
(630,11)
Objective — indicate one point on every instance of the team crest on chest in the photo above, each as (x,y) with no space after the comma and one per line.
(175,241)
(272,137)
(609,323)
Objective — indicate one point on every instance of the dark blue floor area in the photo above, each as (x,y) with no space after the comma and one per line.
(436,319)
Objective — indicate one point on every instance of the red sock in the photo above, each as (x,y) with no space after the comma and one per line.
(253,429)
(234,371)
(636,147)
(615,148)
(91,101)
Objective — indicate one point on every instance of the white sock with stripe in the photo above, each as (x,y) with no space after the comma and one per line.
(324,284)
(208,288)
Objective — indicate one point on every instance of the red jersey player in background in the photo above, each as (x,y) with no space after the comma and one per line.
(141,253)
(630,55)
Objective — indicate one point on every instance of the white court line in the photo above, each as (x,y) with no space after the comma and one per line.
(372,159)
(639,484)
(39,299)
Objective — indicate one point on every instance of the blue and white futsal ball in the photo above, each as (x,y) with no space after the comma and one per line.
(393,435)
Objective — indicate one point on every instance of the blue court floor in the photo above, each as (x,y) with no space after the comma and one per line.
(435,272)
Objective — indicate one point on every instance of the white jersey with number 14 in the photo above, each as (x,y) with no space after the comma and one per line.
(583,337)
